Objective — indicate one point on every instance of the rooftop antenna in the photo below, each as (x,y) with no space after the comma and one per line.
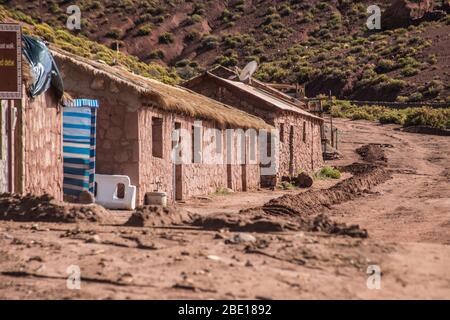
(248,71)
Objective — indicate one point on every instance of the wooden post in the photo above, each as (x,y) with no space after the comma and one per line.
(19,156)
(337,139)
(331,130)
(331,123)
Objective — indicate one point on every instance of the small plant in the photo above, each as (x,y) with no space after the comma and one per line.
(221,191)
(328,173)
(165,38)
(144,31)
(114,34)
(210,42)
(385,65)
(287,186)
(157,54)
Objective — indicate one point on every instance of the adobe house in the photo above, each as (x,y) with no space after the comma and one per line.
(30,140)
(135,126)
(299,146)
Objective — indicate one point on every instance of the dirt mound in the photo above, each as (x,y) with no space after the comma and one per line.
(427,130)
(372,153)
(314,201)
(45,208)
(158,216)
(257,220)
(323,223)
(245,221)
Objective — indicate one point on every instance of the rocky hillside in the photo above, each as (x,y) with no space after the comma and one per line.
(324,45)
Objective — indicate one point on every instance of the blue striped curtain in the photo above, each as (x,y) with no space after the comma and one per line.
(79,144)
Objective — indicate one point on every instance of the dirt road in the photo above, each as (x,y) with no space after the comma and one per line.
(407,217)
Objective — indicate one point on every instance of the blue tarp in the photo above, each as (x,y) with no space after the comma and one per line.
(43,67)
(79,145)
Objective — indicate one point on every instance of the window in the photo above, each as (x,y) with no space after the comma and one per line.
(157,137)
(177,128)
(281,132)
(304,131)
(269,144)
(196,144)
(253,144)
(218,133)
(176,144)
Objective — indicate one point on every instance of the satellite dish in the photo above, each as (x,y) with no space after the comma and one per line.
(248,71)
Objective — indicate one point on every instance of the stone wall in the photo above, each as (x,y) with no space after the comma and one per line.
(43,163)
(232,96)
(306,146)
(197,179)
(124,140)
(306,153)
(117,141)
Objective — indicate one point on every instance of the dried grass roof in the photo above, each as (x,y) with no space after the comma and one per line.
(167,97)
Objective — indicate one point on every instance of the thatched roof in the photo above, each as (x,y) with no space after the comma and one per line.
(167,97)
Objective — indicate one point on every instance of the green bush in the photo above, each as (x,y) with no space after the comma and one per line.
(392,117)
(287,186)
(210,42)
(438,118)
(144,31)
(361,115)
(114,33)
(165,38)
(385,65)
(328,173)
(409,71)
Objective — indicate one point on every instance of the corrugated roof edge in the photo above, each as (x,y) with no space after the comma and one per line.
(293,108)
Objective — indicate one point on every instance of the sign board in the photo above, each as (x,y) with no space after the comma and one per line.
(10,61)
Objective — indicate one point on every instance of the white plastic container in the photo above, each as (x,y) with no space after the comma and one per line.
(156,199)
(107,192)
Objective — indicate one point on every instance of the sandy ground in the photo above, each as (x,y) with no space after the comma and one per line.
(407,217)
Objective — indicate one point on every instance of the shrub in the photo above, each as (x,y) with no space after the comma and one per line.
(361,115)
(287,186)
(165,38)
(221,191)
(144,31)
(113,33)
(385,65)
(196,18)
(415,97)
(438,118)
(157,54)
(191,36)
(392,117)
(210,42)
(328,173)
(409,71)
